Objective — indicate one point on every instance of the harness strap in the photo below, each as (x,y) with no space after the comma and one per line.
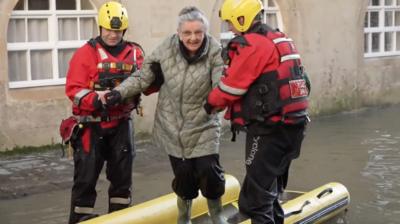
(233,131)
(297,211)
(300,117)
(90,118)
(115,65)
(236,129)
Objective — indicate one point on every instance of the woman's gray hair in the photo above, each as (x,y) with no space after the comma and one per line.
(192,13)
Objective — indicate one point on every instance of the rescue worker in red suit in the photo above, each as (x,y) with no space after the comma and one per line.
(105,132)
(266,93)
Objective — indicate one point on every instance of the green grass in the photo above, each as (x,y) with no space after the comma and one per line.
(29,150)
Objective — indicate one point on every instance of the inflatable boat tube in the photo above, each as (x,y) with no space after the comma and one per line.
(318,205)
(315,206)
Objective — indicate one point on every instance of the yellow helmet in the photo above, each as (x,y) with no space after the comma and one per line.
(231,10)
(113,16)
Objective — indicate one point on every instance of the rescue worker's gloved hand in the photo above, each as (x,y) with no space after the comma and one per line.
(113,98)
(155,86)
(97,104)
(208,108)
(155,67)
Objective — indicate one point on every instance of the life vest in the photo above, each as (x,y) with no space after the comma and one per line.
(111,72)
(97,69)
(275,96)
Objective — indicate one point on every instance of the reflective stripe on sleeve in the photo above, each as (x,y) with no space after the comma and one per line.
(290,57)
(83,210)
(124,201)
(134,55)
(231,90)
(78,96)
(282,39)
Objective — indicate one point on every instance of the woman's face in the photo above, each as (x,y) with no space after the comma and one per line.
(192,33)
(111,37)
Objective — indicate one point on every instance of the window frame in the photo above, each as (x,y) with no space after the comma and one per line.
(381,29)
(52,44)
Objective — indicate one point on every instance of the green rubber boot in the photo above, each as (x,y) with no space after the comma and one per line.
(184,211)
(215,210)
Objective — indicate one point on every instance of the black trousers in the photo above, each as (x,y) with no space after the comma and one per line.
(269,151)
(113,146)
(204,173)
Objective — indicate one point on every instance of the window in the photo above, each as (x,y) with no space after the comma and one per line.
(382,28)
(271,16)
(42,36)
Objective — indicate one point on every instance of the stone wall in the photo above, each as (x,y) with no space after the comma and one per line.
(328,34)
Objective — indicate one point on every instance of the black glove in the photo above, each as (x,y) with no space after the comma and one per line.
(208,108)
(97,104)
(113,98)
(155,68)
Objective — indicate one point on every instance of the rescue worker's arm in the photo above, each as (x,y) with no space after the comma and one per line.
(139,57)
(82,66)
(246,65)
(155,86)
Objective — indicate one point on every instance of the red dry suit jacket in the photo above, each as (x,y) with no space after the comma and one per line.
(83,74)
(247,63)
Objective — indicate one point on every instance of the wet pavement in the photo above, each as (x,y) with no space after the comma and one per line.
(25,175)
(21,176)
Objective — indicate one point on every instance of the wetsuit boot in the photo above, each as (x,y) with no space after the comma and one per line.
(112,207)
(75,218)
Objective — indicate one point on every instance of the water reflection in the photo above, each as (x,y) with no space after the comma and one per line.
(360,150)
(383,167)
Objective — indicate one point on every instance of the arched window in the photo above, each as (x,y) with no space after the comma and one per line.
(272,17)
(42,36)
(382,28)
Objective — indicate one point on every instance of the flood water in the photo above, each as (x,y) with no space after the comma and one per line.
(360,149)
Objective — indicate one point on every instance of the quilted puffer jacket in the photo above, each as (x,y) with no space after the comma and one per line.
(181,125)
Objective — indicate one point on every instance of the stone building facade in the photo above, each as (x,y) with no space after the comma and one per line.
(350,50)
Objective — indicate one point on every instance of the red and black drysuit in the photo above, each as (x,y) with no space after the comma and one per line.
(266,94)
(105,133)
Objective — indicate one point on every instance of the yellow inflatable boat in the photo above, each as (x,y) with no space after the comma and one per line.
(315,206)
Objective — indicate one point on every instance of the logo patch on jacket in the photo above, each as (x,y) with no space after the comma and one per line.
(298,88)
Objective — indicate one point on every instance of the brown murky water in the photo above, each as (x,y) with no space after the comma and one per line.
(360,150)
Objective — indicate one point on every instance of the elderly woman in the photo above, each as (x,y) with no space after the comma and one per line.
(189,65)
